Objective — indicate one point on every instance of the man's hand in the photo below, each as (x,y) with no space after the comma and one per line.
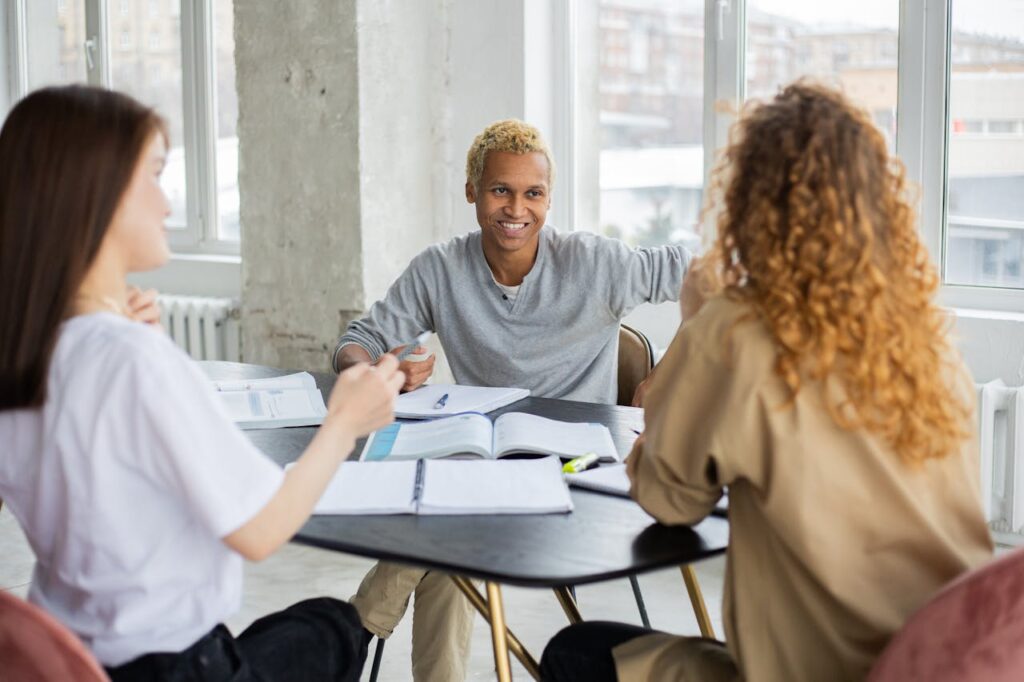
(416,371)
(641,390)
(143,306)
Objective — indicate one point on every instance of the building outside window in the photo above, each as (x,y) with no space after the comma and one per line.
(985,156)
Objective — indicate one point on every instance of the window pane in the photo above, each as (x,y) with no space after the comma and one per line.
(849,44)
(56,39)
(651,87)
(227,121)
(985,165)
(145,62)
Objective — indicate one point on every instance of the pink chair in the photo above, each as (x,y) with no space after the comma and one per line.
(973,629)
(34,647)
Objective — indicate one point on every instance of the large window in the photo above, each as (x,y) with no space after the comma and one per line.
(55,54)
(985,150)
(651,94)
(848,44)
(174,55)
(227,120)
(145,62)
(942,79)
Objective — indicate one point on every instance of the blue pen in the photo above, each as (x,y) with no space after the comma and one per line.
(441,402)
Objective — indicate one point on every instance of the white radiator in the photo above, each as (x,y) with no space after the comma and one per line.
(1001,431)
(207,328)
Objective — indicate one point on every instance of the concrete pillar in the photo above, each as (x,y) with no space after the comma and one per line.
(354,121)
(298,128)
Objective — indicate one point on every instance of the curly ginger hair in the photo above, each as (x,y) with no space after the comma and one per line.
(817,236)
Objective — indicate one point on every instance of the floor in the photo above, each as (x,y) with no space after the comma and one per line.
(296,573)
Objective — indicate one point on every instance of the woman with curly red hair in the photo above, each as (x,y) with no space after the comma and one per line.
(818,384)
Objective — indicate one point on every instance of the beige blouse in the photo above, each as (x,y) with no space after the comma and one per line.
(834,541)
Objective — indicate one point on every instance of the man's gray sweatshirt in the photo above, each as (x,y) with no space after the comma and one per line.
(559,338)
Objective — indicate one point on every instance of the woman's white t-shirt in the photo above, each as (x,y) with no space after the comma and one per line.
(125,481)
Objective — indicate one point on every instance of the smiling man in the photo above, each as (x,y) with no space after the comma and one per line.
(515,303)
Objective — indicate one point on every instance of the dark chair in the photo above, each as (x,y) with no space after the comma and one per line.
(636,360)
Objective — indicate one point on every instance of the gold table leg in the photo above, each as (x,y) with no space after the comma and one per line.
(499,635)
(513,643)
(697,600)
(572,611)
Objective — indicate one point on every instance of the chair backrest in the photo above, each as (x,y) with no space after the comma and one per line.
(35,647)
(636,360)
(973,629)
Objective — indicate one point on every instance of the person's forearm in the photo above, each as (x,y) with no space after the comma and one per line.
(304,483)
(351,354)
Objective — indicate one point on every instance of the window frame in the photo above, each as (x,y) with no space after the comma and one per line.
(922,129)
(199,237)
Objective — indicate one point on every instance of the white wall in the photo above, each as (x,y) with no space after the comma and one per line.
(992,344)
(6,44)
(402,75)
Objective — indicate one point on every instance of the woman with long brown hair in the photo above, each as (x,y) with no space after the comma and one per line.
(819,385)
(138,495)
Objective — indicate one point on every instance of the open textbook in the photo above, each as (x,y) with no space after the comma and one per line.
(613,480)
(443,400)
(473,434)
(533,486)
(291,400)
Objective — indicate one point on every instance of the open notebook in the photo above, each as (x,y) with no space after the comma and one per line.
(526,486)
(291,400)
(423,402)
(612,479)
(473,435)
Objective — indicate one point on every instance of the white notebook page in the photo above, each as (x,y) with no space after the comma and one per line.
(263,405)
(370,488)
(519,432)
(461,433)
(609,478)
(493,487)
(420,403)
(289,381)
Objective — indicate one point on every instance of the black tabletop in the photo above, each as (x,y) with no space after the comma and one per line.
(604,537)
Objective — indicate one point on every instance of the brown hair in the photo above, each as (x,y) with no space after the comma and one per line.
(67,155)
(817,236)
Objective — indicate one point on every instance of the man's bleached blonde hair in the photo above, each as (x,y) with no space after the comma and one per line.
(510,135)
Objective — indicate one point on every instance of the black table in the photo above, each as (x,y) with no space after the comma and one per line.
(605,537)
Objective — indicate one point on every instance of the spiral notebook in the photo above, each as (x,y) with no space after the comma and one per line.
(430,487)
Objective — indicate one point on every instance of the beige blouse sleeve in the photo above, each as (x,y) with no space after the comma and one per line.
(701,414)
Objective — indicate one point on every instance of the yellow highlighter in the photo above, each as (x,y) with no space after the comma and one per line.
(581,463)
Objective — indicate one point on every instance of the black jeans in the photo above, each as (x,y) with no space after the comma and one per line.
(316,639)
(584,651)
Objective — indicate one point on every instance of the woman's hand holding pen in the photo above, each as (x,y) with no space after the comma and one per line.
(363,398)
(416,371)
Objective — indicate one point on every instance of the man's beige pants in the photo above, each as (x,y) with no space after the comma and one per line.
(442,617)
